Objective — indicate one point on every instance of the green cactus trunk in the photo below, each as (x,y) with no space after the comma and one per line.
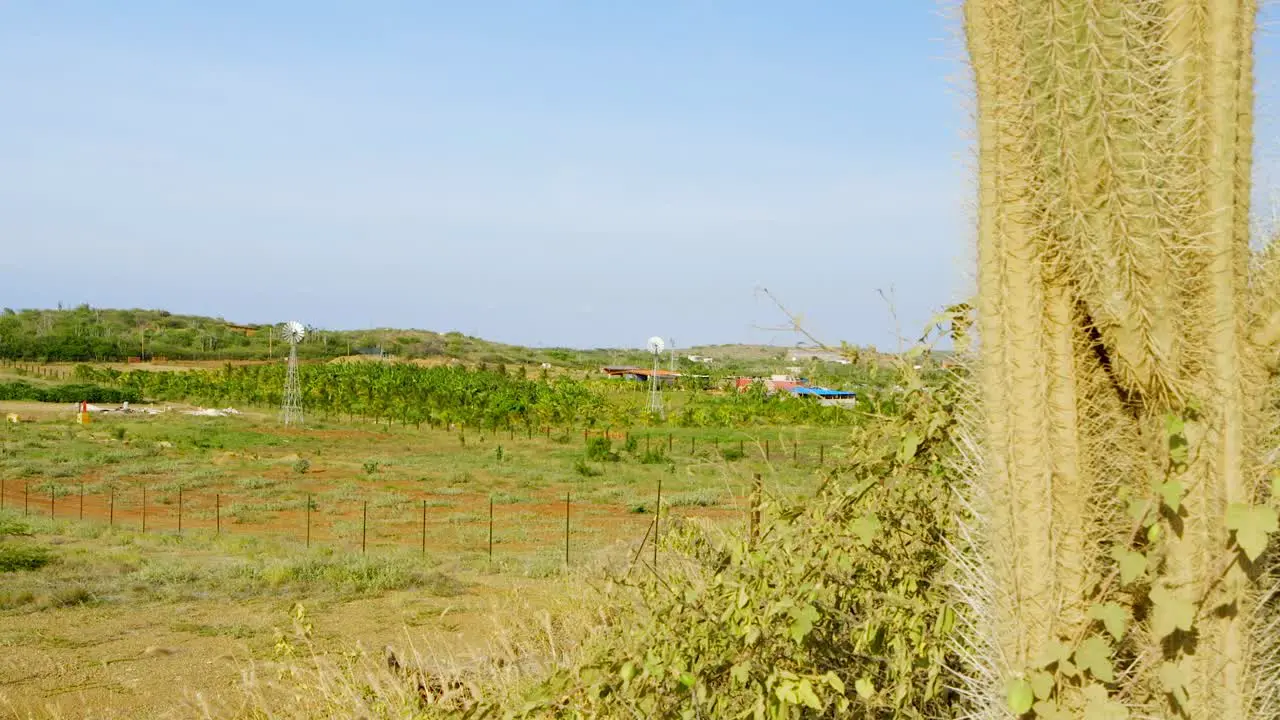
(1121,394)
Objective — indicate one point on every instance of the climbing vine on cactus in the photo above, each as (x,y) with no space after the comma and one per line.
(1119,479)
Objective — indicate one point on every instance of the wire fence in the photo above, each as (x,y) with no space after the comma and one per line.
(467,525)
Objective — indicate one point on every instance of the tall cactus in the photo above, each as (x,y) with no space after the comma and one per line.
(1122,371)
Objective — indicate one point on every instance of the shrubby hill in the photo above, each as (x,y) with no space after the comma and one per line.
(88,334)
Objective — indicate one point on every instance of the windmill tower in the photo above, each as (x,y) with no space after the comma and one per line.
(291,412)
(655,394)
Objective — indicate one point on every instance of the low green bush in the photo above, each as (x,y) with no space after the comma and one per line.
(67,393)
(600,449)
(18,556)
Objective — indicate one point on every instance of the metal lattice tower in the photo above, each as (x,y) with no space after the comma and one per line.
(291,411)
(655,393)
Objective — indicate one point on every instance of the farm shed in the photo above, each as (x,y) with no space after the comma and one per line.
(827,396)
(640,374)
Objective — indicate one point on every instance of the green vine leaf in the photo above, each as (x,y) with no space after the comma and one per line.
(1140,510)
(1054,652)
(1171,492)
(1094,655)
(802,620)
(1178,443)
(1049,710)
(1174,681)
(1132,564)
(1041,684)
(1170,612)
(1099,705)
(806,695)
(1020,696)
(1113,617)
(866,527)
(1253,525)
(910,444)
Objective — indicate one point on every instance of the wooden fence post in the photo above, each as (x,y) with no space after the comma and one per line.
(111,512)
(766,448)
(144,508)
(179,510)
(822,451)
(364,528)
(217,513)
(657,518)
(82,501)
(670,440)
(26,500)
(308,520)
(424,528)
(566,529)
(490,528)
(52,499)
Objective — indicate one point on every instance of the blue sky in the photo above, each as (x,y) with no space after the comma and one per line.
(543,173)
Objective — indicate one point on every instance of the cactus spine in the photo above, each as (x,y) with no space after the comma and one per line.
(1121,369)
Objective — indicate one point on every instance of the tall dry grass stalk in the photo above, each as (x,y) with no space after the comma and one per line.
(1121,355)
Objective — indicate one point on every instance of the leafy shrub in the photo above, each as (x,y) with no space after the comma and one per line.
(370,467)
(302,466)
(653,457)
(118,432)
(843,612)
(600,449)
(16,556)
(67,393)
(732,454)
(583,468)
(11,525)
(631,444)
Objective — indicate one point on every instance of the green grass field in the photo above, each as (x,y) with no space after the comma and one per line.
(97,613)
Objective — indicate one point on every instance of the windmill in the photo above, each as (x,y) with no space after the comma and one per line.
(291,412)
(655,395)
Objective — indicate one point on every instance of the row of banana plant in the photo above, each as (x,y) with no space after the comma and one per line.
(439,395)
